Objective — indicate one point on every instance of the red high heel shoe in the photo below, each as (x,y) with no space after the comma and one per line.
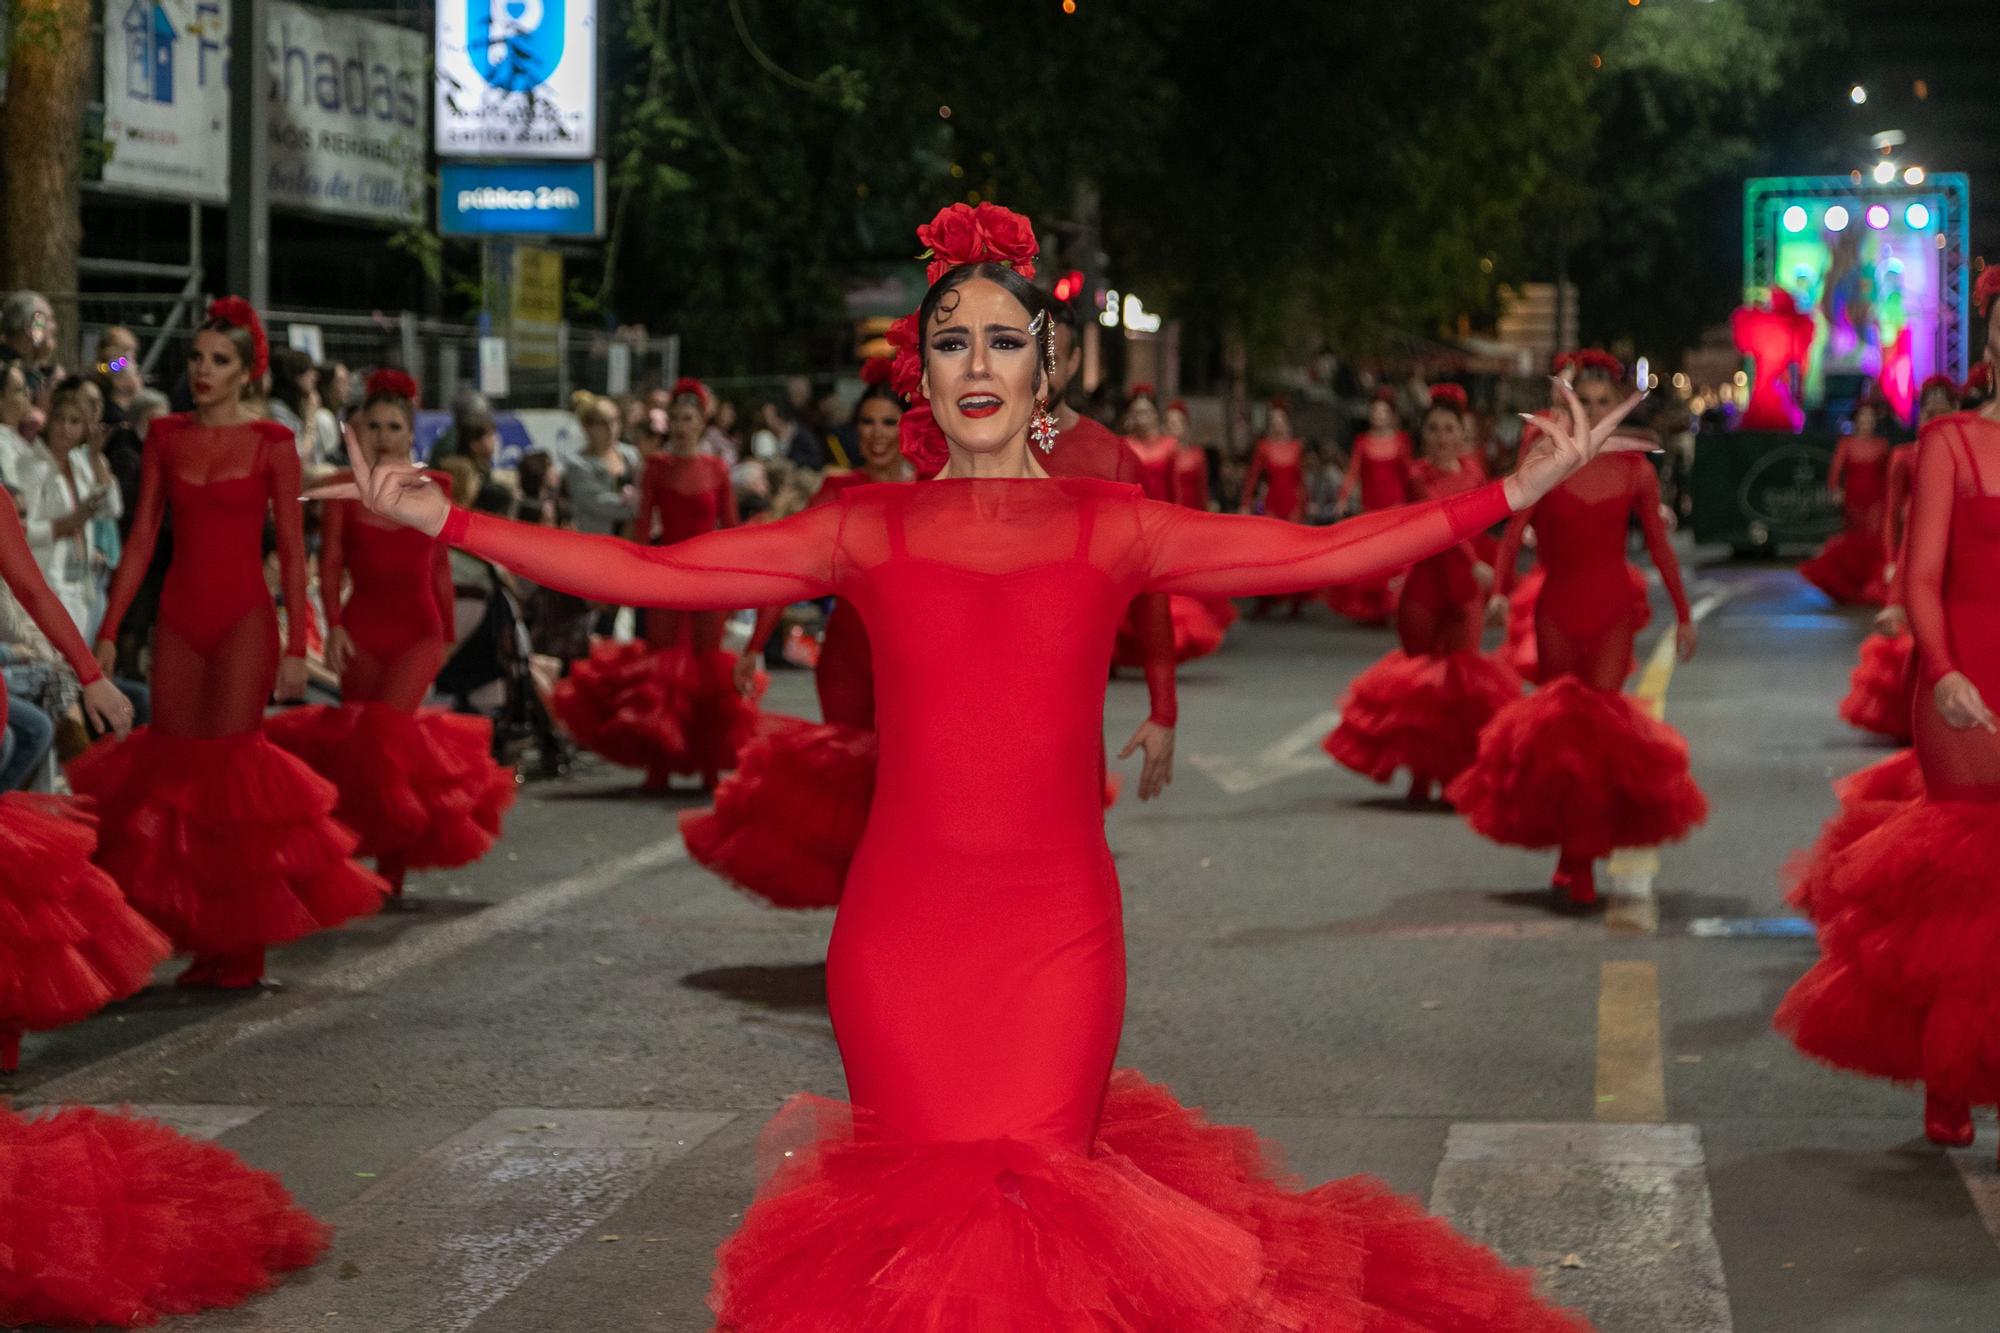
(1947,1121)
(1575,883)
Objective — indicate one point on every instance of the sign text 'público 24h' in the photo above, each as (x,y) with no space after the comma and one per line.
(516,78)
(521,199)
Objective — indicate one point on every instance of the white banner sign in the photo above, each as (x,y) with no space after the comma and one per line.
(517,78)
(347,106)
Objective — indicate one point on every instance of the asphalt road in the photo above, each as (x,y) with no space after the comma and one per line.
(531,1105)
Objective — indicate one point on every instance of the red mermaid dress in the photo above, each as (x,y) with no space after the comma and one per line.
(1849,567)
(111,1219)
(69,942)
(1906,987)
(990,1174)
(1380,469)
(419,785)
(666,705)
(1578,765)
(224,841)
(1882,688)
(1422,706)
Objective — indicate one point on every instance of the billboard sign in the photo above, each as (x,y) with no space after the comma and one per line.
(521,199)
(517,78)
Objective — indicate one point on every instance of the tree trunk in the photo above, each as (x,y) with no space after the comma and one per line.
(41,228)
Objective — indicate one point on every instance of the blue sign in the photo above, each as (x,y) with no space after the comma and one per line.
(521,199)
(515,47)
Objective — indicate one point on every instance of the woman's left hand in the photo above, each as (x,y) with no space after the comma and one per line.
(1564,442)
(291,686)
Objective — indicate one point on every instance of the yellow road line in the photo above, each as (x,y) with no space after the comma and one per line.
(1631,1079)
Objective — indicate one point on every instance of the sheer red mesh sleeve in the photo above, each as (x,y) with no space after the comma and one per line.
(1928,542)
(1646,508)
(442,589)
(1231,555)
(725,497)
(24,579)
(1255,474)
(1508,557)
(332,560)
(137,554)
(642,512)
(759,564)
(1153,621)
(289,514)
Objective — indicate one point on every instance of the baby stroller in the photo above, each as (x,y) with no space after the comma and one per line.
(490,672)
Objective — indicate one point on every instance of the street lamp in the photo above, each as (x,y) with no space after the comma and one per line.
(1857,95)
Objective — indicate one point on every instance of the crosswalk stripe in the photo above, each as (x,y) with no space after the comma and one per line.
(1631,1077)
(201,1122)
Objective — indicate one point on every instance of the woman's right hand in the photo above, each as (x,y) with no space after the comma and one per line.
(339,651)
(106,705)
(1891,621)
(746,675)
(1564,443)
(399,492)
(1959,704)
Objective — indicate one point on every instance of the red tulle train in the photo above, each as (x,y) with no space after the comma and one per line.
(784,826)
(1880,689)
(1909,927)
(111,1219)
(227,845)
(1849,569)
(1420,713)
(665,711)
(1196,634)
(417,788)
(1172,1223)
(1867,799)
(1582,769)
(69,942)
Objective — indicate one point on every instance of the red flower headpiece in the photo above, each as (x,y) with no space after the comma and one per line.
(1986,289)
(688,385)
(1138,391)
(1385,394)
(906,363)
(1280,402)
(1452,396)
(1591,361)
(1978,380)
(984,234)
(388,382)
(877,370)
(1945,382)
(238,313)
(1177,406)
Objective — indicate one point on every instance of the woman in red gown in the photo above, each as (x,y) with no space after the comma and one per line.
(224,841)
(1423,706)
(991,1174)
(1849,567)
(1577,765)
(71,944)
(1155,450)
(785,825)
(1278,464)
(1197,626)
(1906,987)
(668,705)
(1882,688)
(1378,466)
(1190,460)
(418,785)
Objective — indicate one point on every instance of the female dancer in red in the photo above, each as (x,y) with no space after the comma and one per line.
(1882,688)
(991,1174)
(1190,460)
(1423,706)
(784,826)
(223,840)
(668,705)
(1379,467)
(1577,765)
(1905,988)
(1154,450)
(419,785)
(1278,464)
(72,944)
(1849,567)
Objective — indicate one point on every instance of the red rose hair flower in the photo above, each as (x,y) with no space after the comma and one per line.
(906,364)
(687,385)
(877,369)
(1138,391)
(388,382)
(1452,396)
(1591,361)
(1986,289)
(1945,382)
(238,313)
(961,234)
(922,439)
(1978,380)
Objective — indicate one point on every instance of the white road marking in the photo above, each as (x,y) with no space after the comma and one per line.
(1282,759)
(107,1079)
(201,1122)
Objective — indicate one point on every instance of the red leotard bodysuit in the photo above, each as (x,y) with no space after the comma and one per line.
(1191,476)
(1588,614)
(1380,466)
(215,646)
(682,497)
(1280,465)
(398,612)
(1442,604)
(1954,598)
(1156,464)
(1861,473)
(976,974)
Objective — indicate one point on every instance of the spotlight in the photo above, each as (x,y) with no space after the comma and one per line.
(1795,218)
(1913,176)
(1885,171)
(1836,218)
(1917,216)
(1857,94)
(1878,216)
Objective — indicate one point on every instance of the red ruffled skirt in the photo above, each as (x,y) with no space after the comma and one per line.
(1581,769)
(1881,688)
(1196,633)
(666,710)
(1867,799)
(1173,1223)
(1849,568)
(1421,713)
(1369,603)
(785,824)
(1909,928)
(69,942)
(227,845)
(111,1219)
(418,788)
